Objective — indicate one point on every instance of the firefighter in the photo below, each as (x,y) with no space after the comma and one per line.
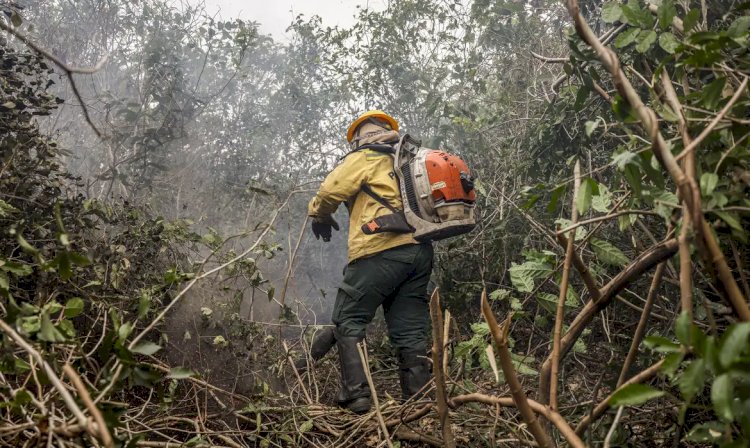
(385,269)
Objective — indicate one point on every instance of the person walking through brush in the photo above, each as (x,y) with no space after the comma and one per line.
(385,269)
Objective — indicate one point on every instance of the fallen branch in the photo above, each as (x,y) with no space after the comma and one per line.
(558,420)
(411,436)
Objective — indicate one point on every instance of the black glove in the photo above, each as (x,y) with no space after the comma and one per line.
(321,227)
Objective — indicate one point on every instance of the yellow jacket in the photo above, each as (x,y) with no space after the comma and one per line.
(344,184)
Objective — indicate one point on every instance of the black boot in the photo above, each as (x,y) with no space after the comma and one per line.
(355,393)
(414,373)
(322,344)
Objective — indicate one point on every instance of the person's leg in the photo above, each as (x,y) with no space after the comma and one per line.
(323,341)
(367,282)
(408,318)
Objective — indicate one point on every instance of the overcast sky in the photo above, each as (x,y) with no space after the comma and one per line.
(275,16)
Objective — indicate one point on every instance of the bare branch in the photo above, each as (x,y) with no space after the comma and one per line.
(560,311)
(600,408)
(437,369)
(102,430)
(64,67)
(720,116)
(605,218)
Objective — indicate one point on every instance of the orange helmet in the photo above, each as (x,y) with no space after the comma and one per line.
(379,114)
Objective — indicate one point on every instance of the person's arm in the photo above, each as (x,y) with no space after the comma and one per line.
(341,184)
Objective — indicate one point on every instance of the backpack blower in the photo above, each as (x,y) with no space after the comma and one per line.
(437,191)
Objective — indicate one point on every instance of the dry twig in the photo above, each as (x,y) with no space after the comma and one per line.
(437,364)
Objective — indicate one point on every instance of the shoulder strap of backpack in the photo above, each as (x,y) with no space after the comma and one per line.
(381,200)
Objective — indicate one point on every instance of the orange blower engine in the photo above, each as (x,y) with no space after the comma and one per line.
(437,190)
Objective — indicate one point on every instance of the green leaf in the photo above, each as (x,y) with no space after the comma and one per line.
(48,332)
(666,13)
(729,218)
(557,193)
(608,253)
(124,331)
(668,42)
(52,307)
(583,94)
(522,276)
(664,203)
(28,248)
(634,394)
(733,343)
(4,282)
(62,261)
(683,329)
(16,268)
(144,304)
(499,294)
(6,209)
(739,27)
(635,15)
(661,344)
(722,392)
(521,363)
(583,201)
(645,41)
(706,432)
(611,12)
(565,223)
(78,259)
(146,348)
(691,380)
(691,19)
(602,201)
(30,324)
(180,373)
(672,363)
(270,293)
(547,301)
(16,19)
(307,426)
(480,328)
(73,307)
(627,37)
(711,94)
(625,158)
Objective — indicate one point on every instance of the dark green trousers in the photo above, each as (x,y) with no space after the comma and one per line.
(396,279)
